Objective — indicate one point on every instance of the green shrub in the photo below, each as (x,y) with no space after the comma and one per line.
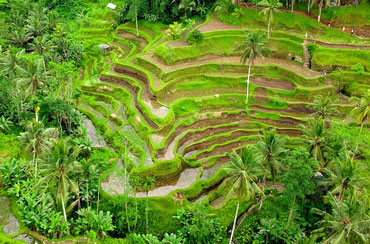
(197,226)
(358,68)
(90,221)
(195,37)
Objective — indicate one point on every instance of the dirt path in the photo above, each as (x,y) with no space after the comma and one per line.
(236,60)
(306,55)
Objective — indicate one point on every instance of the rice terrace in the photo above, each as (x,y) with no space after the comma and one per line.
(184,121)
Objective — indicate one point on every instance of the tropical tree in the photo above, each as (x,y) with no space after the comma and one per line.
(270,148)
(201,8)
(362,110)
(297,179)
(244,172)
(5,124)
(252,48)
(223,6)
(327,2)
(187,5)
(42,45)
(271,7)
(174,30)
(324,107)
(36,139)
(135,183)
(20,37)
(57,168)
(35,26)
(238,12)
(148,184)
(32,77)
(315,137)
(347,222)
(346,174)
(11,61)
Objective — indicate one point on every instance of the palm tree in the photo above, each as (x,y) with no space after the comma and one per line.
(148,184)
(314,136)
(36,138)
(362,110)
(42,45)
(223,6)
(324,107)
(187,5)
(243,171)
(5,124)
(57,168)
(270,148)
(252,48)
(271,7)
(174,30)
(20,37)
(36,26)
(348,222)
(33,76)
(11,61)
(346,174)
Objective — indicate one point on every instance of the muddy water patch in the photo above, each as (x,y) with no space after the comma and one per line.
(186,179)
(8,221)
(211,171)
(169,152)
(160,112)
(93,136)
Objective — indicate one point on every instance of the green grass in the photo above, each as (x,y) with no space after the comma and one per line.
(226,45)
(350,15)
(297,24)
(329,59)
(9,146)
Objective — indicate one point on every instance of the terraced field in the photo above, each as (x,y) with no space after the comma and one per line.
(181,112)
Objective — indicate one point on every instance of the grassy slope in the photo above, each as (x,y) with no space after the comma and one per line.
(298,24)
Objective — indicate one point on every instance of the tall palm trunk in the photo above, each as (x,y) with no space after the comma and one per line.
(308,6)
(97,204)
(87,192)
(291,210)
(35,163)
(249,74)
(293,2)
(268,27)
(127,219)
(320,8)
(137,25)
(235,218)
(135,210)
(146,213)
(64,210)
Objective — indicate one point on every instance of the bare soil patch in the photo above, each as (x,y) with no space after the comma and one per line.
(214,25)
(267,82)
(204,145)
